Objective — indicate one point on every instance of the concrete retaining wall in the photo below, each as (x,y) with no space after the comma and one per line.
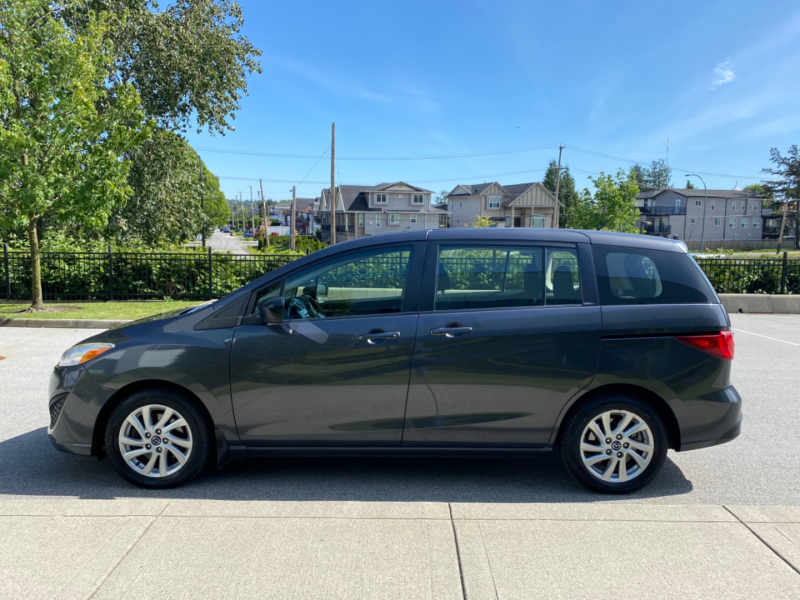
(761,303)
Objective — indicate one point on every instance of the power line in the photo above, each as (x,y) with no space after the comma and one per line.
(315,165)
(674,168)
(490,176)
(384,158)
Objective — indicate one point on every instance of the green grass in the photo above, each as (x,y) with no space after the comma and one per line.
(94,310)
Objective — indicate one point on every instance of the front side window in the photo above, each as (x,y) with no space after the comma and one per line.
(366,283)
(413,218)
(712,205)
(361,220)
(733,205)
(757,223)
(717,222)
(732,223)
(640,276)
(489,277)
(380,199)
(698,202)
(377,222)
(692,221)
(442,221)
(538,220)
(494,202)
(417,199)
(394,219)
(745,223)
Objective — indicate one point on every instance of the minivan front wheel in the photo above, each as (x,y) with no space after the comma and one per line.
(615,444)
(157,439)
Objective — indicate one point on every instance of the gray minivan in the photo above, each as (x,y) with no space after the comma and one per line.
(607,348)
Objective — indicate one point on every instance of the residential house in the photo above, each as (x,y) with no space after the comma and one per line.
(306,215)
(517,205)
(678,214)
(384,208)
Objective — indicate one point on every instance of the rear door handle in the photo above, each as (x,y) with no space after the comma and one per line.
(378,337)
(450,331)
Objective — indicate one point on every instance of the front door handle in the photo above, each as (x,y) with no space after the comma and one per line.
(378,337)
(450,332)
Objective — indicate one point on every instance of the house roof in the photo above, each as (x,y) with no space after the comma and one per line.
(699,193)
(303,204)
(511,192)
(356,197)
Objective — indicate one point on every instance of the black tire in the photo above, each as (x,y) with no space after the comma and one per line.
(579,421)
(197,424)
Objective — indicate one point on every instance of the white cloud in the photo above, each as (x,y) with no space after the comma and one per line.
(723,73)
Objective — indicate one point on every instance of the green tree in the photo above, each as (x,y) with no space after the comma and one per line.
(63,137)
(482,221)
(784,184)
(567,194)
(168,195)
(441,198)
(658,176)
(613,205)
(188,62)
(689,184)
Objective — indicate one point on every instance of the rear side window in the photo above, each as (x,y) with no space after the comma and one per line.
(641,276)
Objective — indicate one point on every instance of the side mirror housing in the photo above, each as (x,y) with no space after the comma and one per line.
(271,312)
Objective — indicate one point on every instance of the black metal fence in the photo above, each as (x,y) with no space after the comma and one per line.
(753,275)
(204,275)
(134,276)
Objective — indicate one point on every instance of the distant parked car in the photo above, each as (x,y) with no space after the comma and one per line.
(606,348)
(248,233)
(226,229)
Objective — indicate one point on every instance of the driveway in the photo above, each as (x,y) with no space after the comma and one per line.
(225,242)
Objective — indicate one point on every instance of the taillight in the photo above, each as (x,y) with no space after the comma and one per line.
(719,344)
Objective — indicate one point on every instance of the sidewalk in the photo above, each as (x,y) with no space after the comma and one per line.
(192,549)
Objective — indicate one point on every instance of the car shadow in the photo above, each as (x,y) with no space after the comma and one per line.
(30,466)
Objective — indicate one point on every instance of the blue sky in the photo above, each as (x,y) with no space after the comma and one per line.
(720,80)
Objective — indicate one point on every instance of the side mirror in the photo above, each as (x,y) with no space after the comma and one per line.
(271,312)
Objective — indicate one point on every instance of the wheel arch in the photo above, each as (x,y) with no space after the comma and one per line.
(656,402)
(219,446)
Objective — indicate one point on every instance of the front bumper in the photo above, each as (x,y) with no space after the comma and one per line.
(69,430)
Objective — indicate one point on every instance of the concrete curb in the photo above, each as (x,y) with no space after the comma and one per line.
(63,323)
(761,303)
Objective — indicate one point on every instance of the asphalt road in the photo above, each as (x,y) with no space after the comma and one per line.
(225,242)
(760,467)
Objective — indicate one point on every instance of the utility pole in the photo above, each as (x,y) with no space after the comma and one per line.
(705,203)
(266,213)
(783,224)
(202,202)
(558,182)
(294,211)
(333,184)
(252,215)
(241,205)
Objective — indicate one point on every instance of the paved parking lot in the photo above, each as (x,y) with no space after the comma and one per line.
(406,528)
(760,467)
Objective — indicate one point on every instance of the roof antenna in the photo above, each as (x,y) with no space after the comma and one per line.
(606,222)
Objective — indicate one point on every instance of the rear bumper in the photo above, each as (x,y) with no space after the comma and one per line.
(712,420)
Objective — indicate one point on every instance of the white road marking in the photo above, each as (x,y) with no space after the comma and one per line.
(765,336)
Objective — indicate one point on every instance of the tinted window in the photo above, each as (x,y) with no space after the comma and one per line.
(365,283)
(562,280)
(637,276)
(488,277)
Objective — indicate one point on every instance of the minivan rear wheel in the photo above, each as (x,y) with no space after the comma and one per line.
(157,438)
(614,444)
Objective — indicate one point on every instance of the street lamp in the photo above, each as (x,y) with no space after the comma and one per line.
(705,202)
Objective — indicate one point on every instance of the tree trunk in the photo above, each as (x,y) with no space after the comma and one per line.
(37,303)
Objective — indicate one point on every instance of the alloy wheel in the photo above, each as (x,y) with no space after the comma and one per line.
(155,441)
(616,446)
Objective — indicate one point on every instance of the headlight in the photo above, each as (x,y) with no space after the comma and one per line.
(77,355)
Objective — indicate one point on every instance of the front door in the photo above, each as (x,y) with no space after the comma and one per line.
(336,371)
(504,340)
